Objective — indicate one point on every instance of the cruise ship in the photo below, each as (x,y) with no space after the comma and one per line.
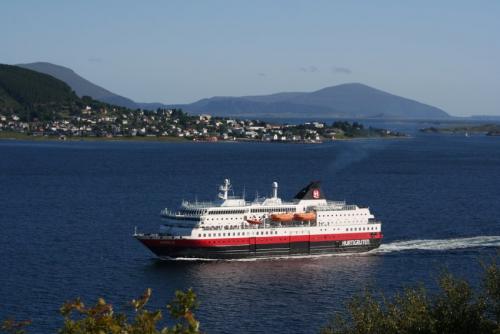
(233,228)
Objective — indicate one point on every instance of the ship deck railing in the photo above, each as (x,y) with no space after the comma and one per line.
(158,236)
(177,214)
(335,206)
(198,205)
(216,204)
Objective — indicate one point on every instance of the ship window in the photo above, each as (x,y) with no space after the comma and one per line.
(204,235)
(199,235)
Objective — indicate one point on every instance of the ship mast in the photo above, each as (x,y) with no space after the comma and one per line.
(224,188)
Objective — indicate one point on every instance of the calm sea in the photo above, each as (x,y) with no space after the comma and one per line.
(68,212)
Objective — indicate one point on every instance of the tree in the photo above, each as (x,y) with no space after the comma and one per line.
(456,308)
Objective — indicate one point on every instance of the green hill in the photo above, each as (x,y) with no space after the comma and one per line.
(81,86)
(32,94)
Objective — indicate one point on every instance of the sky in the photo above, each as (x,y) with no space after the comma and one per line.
(443,53)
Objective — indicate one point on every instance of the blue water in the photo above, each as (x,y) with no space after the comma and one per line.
(68,212)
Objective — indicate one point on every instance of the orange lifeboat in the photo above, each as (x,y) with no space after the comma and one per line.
(254,221)
(305,216)
(282,217)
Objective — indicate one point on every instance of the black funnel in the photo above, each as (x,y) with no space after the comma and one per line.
(311,191)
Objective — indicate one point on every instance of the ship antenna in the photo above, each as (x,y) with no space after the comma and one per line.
(244,192)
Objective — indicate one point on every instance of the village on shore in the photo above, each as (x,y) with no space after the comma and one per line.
(175,124)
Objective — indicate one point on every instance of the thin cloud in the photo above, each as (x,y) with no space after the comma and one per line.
(341,70)
(95,60)
(309,69)
(261,74)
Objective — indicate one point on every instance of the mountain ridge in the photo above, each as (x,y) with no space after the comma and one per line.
(349,100)
(80,85)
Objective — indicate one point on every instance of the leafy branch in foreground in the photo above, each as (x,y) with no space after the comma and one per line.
(11,326)
(100,318)
(456,308)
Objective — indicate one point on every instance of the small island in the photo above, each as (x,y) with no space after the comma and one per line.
(466,129)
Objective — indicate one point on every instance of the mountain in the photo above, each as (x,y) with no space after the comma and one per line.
(353,100)
(24,91)
(81,86)
(152,105)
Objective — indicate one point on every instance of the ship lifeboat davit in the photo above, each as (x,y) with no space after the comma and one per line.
(304,216)
(282,217)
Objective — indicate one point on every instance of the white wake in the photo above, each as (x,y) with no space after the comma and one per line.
(439,244)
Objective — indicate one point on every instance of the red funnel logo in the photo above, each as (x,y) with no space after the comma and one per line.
(316,193)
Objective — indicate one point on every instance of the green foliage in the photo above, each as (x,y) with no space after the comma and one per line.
(181,310)
(101,318)
(11,326)
(456,308)
(491,285)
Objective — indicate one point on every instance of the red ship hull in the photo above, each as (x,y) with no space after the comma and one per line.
(254,247)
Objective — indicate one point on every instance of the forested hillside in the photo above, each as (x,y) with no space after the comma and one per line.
(34,95)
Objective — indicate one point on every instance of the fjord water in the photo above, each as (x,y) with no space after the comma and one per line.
(68,212)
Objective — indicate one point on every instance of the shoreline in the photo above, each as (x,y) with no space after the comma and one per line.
(16,136)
